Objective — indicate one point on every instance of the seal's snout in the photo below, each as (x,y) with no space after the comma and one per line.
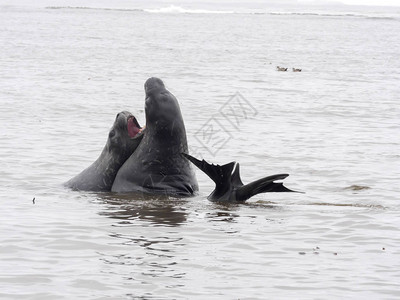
(125,120)
(123,115)
(153,83)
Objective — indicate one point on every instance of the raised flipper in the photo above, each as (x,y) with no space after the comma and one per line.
(219,174)
(263,185)
(228,185)
(236,181)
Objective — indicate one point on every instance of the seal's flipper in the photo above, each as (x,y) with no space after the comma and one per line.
(221,175)
(228,185)
(236,181)
(263,185)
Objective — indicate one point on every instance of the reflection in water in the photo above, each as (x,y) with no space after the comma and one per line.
(158,210)
(145,250)
(222,216)
(147,296)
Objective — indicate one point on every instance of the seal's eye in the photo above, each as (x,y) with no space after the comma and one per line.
(112,133)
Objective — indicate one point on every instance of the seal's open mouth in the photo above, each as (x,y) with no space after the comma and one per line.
(133,127)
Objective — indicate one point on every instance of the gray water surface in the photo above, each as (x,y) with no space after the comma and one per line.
(65,73)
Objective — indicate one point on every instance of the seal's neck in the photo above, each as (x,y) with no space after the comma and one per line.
(167,130)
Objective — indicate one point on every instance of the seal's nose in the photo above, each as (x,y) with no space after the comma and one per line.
(153,83)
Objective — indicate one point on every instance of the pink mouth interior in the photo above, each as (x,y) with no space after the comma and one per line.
(133,129)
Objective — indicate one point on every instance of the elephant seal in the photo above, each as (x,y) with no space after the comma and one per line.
(157,166)
(123,138)
(228,185)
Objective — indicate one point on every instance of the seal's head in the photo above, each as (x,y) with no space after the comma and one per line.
(162,108)
(125,135)
(123,139)
(153,85)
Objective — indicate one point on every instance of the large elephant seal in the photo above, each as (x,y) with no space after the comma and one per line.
(157,166)
(123,139)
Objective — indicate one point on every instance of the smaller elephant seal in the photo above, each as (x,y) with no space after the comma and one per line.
(123,139)
(228,185)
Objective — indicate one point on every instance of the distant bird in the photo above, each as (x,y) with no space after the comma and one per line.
(296,70)
(278,68)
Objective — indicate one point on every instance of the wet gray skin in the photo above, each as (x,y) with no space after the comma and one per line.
(123,139)
(157,166)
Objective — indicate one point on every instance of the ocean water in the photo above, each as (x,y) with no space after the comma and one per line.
(66,71)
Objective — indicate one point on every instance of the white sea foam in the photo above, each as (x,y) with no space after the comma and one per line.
(173,9)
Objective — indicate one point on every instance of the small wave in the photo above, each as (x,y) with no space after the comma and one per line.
(172,9)
(334,14)
(355,187)
(322,14)
(382,18)
(95,8)
(355,205)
